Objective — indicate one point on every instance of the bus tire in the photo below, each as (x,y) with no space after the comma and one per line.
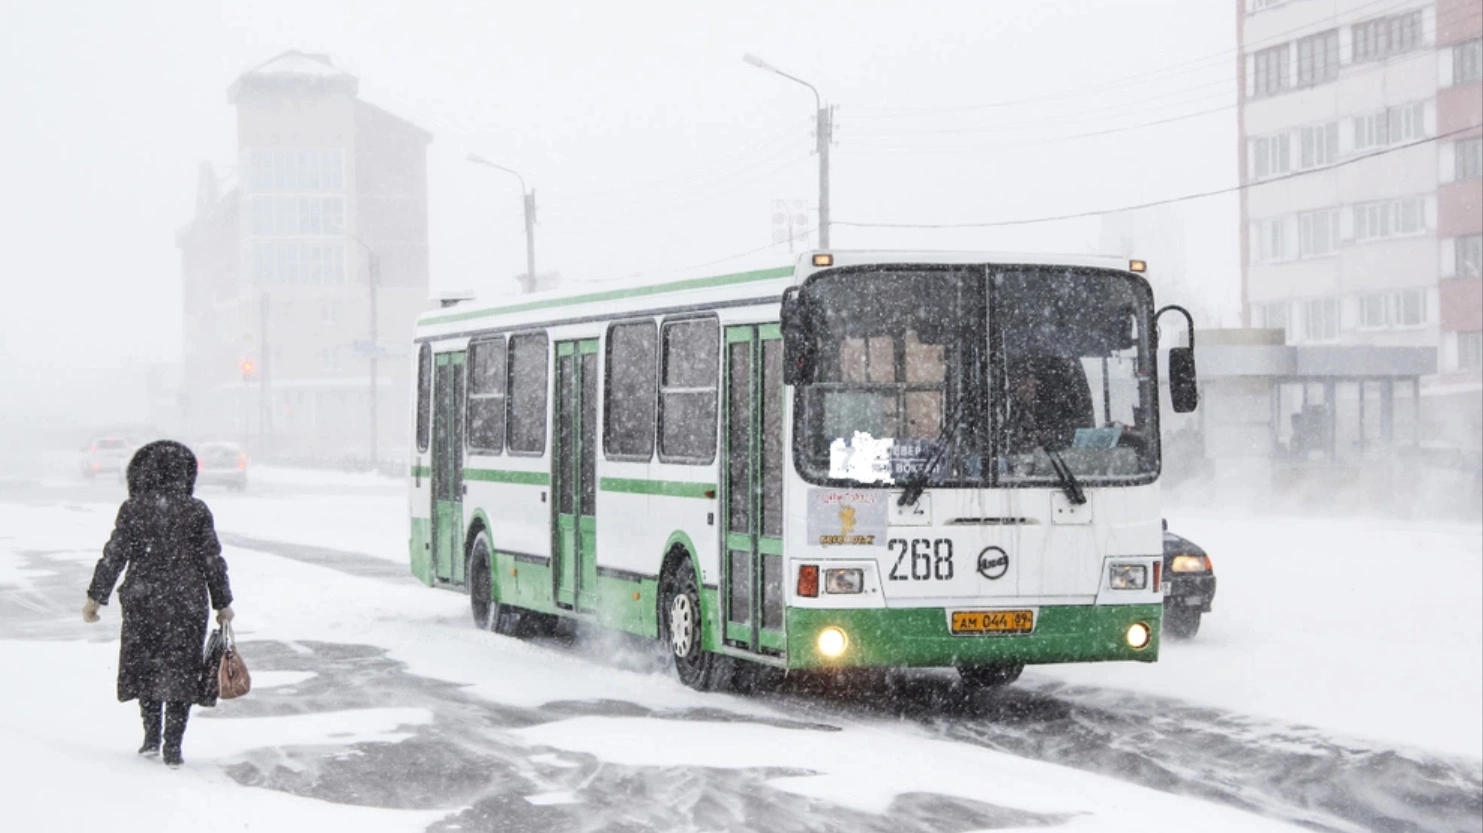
(682,630)
(1181,622)
(990,676)
(488,614)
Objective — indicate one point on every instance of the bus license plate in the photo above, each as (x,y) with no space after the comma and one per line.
(993,621)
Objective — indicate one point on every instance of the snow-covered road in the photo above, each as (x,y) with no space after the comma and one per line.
(1337,686)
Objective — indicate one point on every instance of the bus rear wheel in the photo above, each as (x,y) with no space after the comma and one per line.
(682,631)
(990,676)
(488,613)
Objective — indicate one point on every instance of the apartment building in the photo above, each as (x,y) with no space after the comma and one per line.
(314,240)
(1361,127)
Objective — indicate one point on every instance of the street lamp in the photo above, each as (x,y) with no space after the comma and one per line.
(373,280)
(824,129)
(530,219)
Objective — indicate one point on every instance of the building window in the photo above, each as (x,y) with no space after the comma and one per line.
(1402,123)
(1469,254)
(329,312)
(1386,36)
(1318,233)
(687,396)
(298,261)
(1320,145)
(1269,71)
(486,400)
(1321,319)
(632,379)
(1254,6)
(295,169)
(1274,315)
(1470,351)
(1394,218)
(330,360)
(525,424)
(1382,310)
(1468,154)
(1467,61)
(1270,155)
(303,215)
(1270,242)
(1318,58)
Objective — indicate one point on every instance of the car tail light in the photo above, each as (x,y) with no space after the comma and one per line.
(808,581)
(241,461)
(199,464)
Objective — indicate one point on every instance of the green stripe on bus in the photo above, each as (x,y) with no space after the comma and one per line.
(422,471)
(616,294)
(528,478)
(666,488)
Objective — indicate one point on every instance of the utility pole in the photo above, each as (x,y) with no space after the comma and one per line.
(825,131)
(265,385)
(373,280)
(530,240)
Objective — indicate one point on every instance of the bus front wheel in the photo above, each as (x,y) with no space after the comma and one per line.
(488,613)
(682,630)
(990,676)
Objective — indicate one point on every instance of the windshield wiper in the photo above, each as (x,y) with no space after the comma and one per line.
(918,483)
(1069,484)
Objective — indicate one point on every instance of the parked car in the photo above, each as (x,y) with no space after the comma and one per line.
(1189,585)
(105,454)
(221,464)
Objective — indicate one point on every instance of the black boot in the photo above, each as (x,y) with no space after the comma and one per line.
(175,716)
(150,713)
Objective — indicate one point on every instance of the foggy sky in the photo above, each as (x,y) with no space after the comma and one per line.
(652,147)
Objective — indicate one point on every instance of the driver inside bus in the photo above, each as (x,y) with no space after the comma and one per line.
(1048,401)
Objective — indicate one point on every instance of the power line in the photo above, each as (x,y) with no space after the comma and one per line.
(1187,197)
(1161,73)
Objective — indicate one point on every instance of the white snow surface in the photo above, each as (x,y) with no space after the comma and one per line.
(1366,628)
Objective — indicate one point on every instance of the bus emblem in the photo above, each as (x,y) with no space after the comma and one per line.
(993,563)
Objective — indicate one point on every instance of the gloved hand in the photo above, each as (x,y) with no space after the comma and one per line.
(90,611)
(224,615)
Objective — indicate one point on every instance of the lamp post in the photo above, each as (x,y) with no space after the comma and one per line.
(823,131)
(529,197)
(373,280)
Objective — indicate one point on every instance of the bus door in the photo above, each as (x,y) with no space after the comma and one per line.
(752,572)
(574,474)
(447,468)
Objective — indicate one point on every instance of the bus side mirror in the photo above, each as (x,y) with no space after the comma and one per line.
(1184,392)
(798,344)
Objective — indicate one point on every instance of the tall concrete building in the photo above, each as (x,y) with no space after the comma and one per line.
(304,268)
(1338,248)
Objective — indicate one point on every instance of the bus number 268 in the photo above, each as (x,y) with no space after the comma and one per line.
(929,559)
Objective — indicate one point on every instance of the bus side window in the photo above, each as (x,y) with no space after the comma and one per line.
(633,366)
(687,396)
(525,423)
(486,401)
(424,396)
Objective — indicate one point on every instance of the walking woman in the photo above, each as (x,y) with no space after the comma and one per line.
(165,537)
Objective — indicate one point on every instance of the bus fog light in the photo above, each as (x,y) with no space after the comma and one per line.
(850,580)
(832,642)
(1127,576)
(1138,636)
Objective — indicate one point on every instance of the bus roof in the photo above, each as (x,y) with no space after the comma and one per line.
(727,287)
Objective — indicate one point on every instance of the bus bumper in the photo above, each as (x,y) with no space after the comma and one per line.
(919,637)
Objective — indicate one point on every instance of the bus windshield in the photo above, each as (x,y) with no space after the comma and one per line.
(966,376)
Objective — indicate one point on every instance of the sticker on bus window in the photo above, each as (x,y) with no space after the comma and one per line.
(839,517)
(862,458)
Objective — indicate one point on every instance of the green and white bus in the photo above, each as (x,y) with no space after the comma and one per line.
(864,459)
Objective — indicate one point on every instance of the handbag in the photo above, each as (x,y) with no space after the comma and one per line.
(232,679)
(210,686)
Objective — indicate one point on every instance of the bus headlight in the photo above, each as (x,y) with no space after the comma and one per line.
(1190,564)
(832,642)
(847,580)
(1138,636)
(1127,576)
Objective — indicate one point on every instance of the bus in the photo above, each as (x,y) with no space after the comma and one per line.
(862,459)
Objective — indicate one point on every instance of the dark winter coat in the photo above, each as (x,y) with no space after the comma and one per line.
(166,539)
